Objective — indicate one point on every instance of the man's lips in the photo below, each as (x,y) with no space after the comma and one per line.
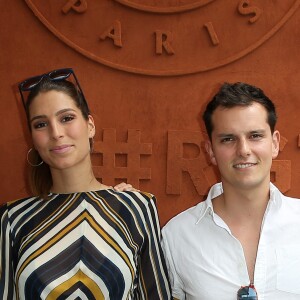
(244,165)
(61,149)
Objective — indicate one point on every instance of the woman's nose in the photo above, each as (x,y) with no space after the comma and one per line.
(56,130)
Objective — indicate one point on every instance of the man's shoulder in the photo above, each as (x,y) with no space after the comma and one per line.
(187,218)
(292,204)
(279,197)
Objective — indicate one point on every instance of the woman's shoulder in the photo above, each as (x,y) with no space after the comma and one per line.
(22,200)
(137,197)
(136,202)
(18,203)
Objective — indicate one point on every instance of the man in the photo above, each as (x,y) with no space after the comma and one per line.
(243,242)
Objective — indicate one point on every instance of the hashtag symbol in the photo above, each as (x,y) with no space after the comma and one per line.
(110,149)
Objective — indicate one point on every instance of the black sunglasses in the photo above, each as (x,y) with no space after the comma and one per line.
(247,293)
(55,75)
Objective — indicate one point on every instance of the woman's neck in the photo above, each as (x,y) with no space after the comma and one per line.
(71,181)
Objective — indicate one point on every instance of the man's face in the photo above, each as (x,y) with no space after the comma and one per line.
(242,145)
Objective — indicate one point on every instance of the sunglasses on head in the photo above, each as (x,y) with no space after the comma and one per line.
(247,293)
(55,75)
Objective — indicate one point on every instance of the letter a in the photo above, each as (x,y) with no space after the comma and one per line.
(114,33)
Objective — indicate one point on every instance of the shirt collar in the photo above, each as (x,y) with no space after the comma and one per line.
(207,207)
(276,196)
(217,189)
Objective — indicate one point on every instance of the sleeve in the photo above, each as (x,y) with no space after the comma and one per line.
(6,261)
(175,281)
(153,282)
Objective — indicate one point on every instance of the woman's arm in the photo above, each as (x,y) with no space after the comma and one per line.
(153,279)
(6,259)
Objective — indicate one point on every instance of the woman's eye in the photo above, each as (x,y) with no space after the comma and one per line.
(67,118)
(39,125)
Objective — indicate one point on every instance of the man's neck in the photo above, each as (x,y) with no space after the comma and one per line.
(242,205)
(243,212)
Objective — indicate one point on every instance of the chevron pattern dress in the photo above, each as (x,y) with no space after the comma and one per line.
(92,245)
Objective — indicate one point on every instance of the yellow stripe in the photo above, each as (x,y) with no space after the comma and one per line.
(126,233)
(45,221)
(69,228)
(79,276)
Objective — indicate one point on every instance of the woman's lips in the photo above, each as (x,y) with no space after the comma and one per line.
(61,149)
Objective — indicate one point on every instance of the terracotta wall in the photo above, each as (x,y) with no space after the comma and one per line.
(147,67)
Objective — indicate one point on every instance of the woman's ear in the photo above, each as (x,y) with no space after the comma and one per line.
(91,127)
(210,152)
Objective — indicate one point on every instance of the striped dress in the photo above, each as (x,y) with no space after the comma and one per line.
(91,245)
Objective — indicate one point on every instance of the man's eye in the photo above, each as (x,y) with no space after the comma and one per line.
(227,140)
(256,136)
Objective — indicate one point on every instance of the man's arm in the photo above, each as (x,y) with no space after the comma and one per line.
(178,292)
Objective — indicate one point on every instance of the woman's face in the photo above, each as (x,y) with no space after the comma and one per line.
(59,132)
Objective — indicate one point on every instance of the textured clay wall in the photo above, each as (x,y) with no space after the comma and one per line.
(147,68)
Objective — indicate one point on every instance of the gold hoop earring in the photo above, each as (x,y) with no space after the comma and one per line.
(29,162)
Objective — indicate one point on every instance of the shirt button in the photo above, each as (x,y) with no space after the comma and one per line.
(241,266)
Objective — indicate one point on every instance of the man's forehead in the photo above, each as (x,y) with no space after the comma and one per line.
(254,110)
(240,119)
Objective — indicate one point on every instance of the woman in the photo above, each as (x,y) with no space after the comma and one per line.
(78,238)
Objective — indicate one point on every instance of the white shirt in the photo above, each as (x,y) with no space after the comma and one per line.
(206,262)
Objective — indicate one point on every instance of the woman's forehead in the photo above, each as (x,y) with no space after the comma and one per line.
(51,101)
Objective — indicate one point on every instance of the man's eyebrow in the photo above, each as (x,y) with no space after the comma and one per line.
(257,131)
(221,135)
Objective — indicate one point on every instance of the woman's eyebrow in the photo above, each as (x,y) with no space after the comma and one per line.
(57,114)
